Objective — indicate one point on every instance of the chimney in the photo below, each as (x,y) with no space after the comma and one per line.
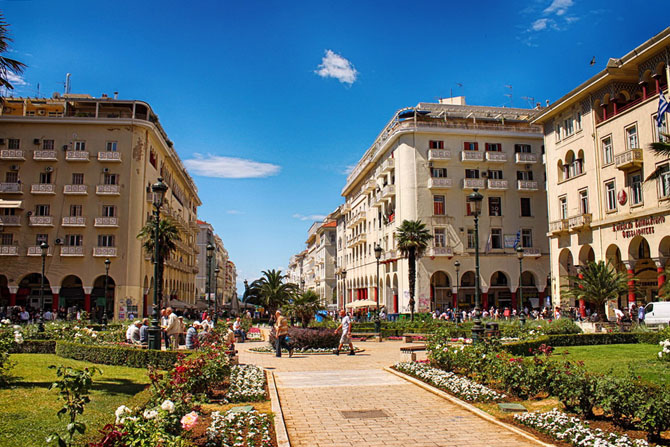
(116,95)
(547,102)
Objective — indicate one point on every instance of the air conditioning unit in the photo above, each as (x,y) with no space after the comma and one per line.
(485,174)
(48,169)
(58,241)
(105,170)
(14,168)
(65,147)
(36,141)
(430,164)
(29,213)
(41,112)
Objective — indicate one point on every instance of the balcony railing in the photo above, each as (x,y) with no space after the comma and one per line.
(108,190)
(106,252)
(36,250)
(12,154)
(76,155)
(388,191)
(75,189)
(441,251)
(43,188)
(471,183)
(526,185)
(439,154)
(388,164)
(106,222)
(525,158)
(440,220)
(109,156)
(497,184)
(532,251)
(472,156)
(559,226)
(631,159)
(11,188)
(496,157)
(440,182)
(9,250)
(580,221)
(74,250)
(73,221)
(389,254)
(41,221)
(10,220)
(45,155)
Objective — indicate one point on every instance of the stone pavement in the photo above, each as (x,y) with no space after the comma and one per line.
(331,401)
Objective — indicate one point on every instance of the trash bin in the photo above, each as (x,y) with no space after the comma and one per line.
(492,329)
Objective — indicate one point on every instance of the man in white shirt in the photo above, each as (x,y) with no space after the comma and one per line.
(345,326)
(24,316)
(172,329)
(48,316)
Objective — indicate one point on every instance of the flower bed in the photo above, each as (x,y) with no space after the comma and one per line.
(458,385)
(239,429)
(664,353)
(117,355)
(254,334)
(247,384)
(271,350)
(565,428)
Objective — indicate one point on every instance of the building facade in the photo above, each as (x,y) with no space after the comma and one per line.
(423,165)
(597,140)
(76,173)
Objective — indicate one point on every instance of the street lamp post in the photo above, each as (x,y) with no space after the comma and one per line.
(44,247)
(344,285)
(522,315)
(154,333)
(104,309)
(378,255)
(475,198)
(457,265)
(210,252)
(216,294)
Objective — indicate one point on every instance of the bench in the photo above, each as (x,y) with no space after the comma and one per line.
(366,335)
(408,353)
(409,338)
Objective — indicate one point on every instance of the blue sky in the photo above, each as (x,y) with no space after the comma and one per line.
(288,95)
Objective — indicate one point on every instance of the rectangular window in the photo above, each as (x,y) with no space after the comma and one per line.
(578,121)
(79,146)
(522,148)
(12,177)
(106,240)
(631,138)
(39,238)
(6,239)
(438,205)
(75,210)
(563,207)
(584,201)
(47,145)
(439,237)
(111,146)
(77,179)
(524,175)
(495,207)
(438,172)
(525,207)
(45,177)
(569,129)
(636,189)
(493,147)
(526,238)
(659,134)
(42,210)
(471,238)
(470,146)
(557,132)
(74,240)
(436,144)
(495,175)
(14,143)
(664,181)
(496,238)
(472,173)
(608,151)
(111,179)
(108,211)
(610,195)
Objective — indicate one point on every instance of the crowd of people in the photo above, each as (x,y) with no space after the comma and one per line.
(28,314)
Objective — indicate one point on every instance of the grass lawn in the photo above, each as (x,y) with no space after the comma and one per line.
(643,358)
(28,410)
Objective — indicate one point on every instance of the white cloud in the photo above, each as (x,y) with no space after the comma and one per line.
(235,212)
(314,217)
(229,167)
(348,169)
(559,7)
(539,24)
(15,79)
(335,66)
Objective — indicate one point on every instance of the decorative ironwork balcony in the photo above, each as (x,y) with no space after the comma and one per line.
(523,158)
(73,221)
(44,155)
(496,157)
(11,188)
(76,156)
(43,188)
(106,252)
(41,221)
(109,156)
(106,222)
(75,189)
(474,156)
(439,154)
(526,185)
(472,183)
(497,184)
(441,251)
(440,182)
(75,250)
(12,154)
(107,190)
(9,250)
(629,160)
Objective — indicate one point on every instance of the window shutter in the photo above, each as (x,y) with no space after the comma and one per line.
(466,146)
(476,146)
(487,146)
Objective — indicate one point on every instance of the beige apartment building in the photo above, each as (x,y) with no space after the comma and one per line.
(76,173)
(597,140)
(423,165)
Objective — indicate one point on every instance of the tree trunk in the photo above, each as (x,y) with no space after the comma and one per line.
(412,280)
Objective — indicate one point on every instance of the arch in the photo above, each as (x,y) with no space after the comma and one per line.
(580,163)
(586,255)
(468,279)
(528,279)
(623,96)
(560,171)
(29,292)
(613,257)
(664,247)
(499,279)
(597,110)
(72,293)
(4,291)
(104,302)
(440,291)
(638,248)
(569,157)
(660,69)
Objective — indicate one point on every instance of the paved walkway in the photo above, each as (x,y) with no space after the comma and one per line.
(331,401)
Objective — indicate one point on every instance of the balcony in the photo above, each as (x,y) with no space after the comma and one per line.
(473,156)
(35,250)
(41,221)
(360,238)
(440,220)
(388,191)
(44,155)
(523,158)
(389,255)
(532,252)
(74,250)
(580,221)
(109,156)
(472,183)
(357,217)
(10,221)
(559,226)
(73,221)
(9,250)
(12,154)
(497,184)
(75,189)
(43,188)
(76,156)
(106,222)
(104,252)
(496,157)
(439,183)
(439,154)
(526,185)
(107,190)
(11,188)
(441,251)
(387,165)
(629,160)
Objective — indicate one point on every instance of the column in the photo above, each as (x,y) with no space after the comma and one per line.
(454,295)
(55,290)
(582,304)
(145,303)
(87,298)
(630,269)
(660,269)
(543,296)
(485,300)
(604,106)
(13,290)
(514,299)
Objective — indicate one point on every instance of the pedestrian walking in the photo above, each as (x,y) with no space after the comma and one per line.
(281,332)
(345,327)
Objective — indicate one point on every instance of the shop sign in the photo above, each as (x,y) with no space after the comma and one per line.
(638,227)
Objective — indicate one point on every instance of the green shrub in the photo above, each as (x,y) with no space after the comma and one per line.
(562,326)
(310,338)
(117,355)
(35,347)
(530,346)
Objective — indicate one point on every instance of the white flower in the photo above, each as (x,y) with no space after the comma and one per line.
(660,355)
(6,321)
(17,327)
(120,412)
(150,414)
(168,406)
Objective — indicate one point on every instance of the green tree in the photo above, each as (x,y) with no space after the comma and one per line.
(598,283)
(168,236)
(8,66)
(271,290)
(660,149)
(304,306)
(412,237)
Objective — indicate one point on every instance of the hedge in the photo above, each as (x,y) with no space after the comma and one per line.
(34,347)
(526,347)
(117,355)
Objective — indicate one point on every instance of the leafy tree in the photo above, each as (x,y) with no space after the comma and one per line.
(304,306)
(598,283)
(168,236)
(659,149)
(7,65)
(412,237)
(271,291)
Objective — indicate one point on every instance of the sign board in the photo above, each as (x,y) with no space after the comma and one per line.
(510,239)
(122,312)
(642,226)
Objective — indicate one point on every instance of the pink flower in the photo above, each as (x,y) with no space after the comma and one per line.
(189,420)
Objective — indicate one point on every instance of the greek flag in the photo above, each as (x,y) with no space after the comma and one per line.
(518,239)
(662,109)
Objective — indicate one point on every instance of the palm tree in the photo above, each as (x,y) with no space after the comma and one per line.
(664,291)
(412,237)
(168,236)
(7,66)
(598,283)
(272,290)
(304,306)
(660,149)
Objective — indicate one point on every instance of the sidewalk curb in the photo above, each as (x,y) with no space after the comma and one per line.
(280,425)
(471,408)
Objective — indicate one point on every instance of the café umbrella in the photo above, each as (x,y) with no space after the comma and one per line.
(361,303)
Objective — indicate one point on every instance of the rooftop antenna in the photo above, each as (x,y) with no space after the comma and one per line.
(509,95)
(530,99)
(67,83)
(451,93)
(38,89)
